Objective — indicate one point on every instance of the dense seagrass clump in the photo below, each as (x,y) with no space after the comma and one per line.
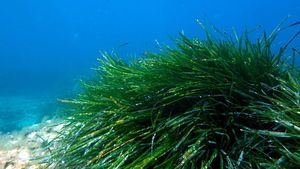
(213,103)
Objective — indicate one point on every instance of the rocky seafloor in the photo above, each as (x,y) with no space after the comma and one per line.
(24,149)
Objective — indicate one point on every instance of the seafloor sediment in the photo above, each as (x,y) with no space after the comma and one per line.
(22,149)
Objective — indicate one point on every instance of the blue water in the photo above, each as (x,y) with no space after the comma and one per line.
(47,46)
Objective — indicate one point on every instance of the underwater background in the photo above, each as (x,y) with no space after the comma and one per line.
(46,47)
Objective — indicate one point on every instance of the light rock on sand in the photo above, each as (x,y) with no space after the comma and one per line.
(19,150)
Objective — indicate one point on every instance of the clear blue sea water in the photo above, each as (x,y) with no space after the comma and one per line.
(47,46)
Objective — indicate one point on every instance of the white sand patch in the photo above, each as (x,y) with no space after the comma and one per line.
(19,150)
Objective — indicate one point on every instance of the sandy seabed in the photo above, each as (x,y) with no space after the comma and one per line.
(21,149)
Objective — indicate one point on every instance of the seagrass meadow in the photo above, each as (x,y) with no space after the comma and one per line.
(220,102)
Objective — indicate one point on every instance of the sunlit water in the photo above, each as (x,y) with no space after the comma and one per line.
(47,46)
(17,112)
